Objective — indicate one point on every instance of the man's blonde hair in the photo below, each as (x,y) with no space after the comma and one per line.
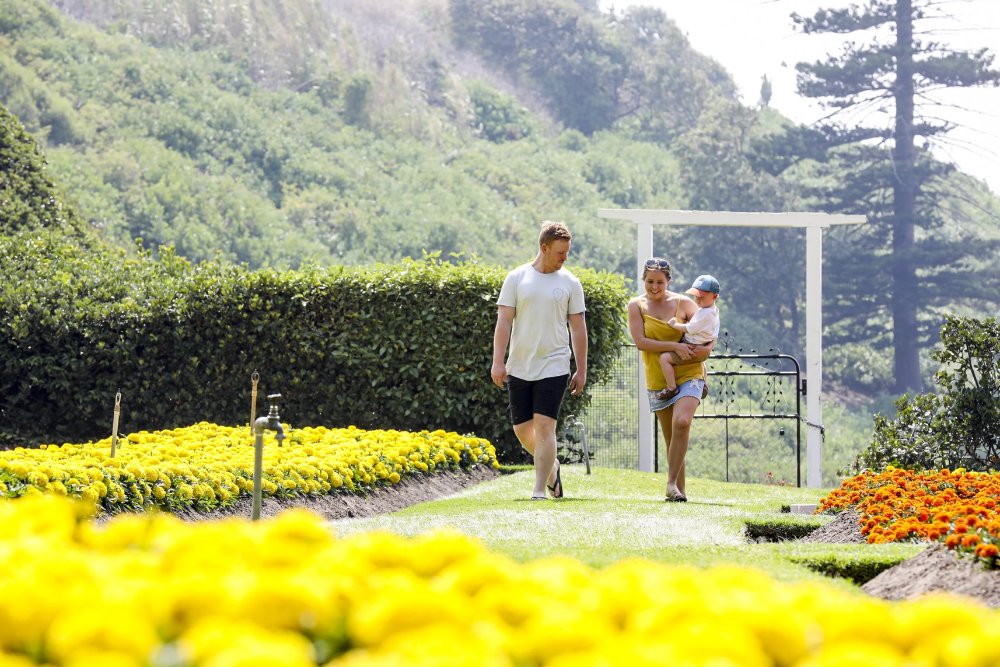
(553,231)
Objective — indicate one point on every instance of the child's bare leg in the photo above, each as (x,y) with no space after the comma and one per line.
(667,361)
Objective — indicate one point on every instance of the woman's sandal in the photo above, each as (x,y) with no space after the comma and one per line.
(556,489)
(676,498)
(539,498)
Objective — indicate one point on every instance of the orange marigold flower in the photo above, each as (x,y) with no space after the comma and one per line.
(952,541)
(970,541)
(987,550)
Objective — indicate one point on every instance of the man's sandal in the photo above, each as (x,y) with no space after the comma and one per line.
(556,489)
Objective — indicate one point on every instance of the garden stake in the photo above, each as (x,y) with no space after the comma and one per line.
(254,378)
(114,423)
(271,422)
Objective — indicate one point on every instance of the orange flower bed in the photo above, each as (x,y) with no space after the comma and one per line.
(953,506)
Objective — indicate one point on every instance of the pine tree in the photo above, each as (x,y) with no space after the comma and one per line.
(896,69)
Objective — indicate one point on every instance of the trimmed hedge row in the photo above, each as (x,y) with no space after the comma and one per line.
(405,346)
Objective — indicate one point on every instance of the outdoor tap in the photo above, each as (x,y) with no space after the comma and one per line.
(272,422)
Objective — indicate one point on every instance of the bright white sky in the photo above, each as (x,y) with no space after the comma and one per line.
(751,38)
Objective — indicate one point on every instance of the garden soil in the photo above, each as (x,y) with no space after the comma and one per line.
(409,491)
(935,569)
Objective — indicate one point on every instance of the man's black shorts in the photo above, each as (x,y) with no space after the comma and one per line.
(531,397)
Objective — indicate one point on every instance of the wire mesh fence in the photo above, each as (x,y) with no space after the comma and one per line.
(747,430)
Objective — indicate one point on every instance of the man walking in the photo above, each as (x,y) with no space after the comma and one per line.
(541,316)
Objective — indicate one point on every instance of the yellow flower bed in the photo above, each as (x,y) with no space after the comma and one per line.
(150,589)
(206,466)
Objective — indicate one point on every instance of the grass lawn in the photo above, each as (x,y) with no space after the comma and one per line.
(615,514)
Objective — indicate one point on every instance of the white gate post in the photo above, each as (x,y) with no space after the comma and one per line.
(644,248)
(814,356)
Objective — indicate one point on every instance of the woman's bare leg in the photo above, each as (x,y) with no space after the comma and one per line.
(665,417)
(680,417)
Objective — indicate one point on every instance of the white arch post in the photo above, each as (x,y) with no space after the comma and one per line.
(814,223)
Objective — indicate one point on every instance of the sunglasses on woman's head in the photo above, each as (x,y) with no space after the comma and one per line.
(657,264)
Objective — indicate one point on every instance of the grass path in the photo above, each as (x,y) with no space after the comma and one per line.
(615,514)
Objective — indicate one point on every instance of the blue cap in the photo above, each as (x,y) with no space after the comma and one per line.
(706,283)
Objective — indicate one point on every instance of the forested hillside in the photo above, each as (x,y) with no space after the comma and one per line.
(352,131)
(224,131)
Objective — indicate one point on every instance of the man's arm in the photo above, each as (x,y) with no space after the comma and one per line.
(501,338)
(578,339)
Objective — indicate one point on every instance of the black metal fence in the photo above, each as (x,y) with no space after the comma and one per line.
(747,430)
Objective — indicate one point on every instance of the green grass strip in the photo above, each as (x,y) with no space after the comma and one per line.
(612,515)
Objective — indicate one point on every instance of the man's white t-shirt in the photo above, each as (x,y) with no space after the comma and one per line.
(542,302)
(704,326)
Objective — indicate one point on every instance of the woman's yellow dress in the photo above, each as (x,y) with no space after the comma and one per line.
(657,329)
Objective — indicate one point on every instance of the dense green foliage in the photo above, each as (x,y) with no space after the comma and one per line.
(564,53)
(405,346)
(29,200)
(958,427)
(284,134)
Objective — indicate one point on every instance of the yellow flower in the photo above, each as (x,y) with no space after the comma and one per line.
(122,630)
(244,644)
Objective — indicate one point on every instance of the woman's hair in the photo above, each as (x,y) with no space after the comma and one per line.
(656,264)
(553,231)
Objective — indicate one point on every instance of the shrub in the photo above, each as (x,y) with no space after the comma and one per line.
(497,117)
(860,570)
(958,427)
(403,346)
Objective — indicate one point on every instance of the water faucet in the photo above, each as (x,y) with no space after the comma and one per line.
(272,422)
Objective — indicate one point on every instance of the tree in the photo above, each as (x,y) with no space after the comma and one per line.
(894,69)
(563,51)
(28,197)
(719,176)
(765,91)
(669,85)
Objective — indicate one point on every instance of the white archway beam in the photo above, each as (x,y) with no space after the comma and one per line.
(654,216)
(814,223)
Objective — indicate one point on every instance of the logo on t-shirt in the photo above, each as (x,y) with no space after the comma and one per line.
(559,294)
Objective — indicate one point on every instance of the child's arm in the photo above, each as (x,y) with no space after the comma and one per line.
(677,325)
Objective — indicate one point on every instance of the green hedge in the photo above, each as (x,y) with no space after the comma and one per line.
(405,346)
(858,566)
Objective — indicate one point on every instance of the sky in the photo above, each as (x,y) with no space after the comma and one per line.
(753,38)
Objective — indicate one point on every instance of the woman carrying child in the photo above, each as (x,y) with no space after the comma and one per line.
(648,320)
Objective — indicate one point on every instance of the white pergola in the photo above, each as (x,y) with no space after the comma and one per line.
(814,223)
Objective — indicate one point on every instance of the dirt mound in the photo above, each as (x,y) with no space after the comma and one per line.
(937,568)
(844,529)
